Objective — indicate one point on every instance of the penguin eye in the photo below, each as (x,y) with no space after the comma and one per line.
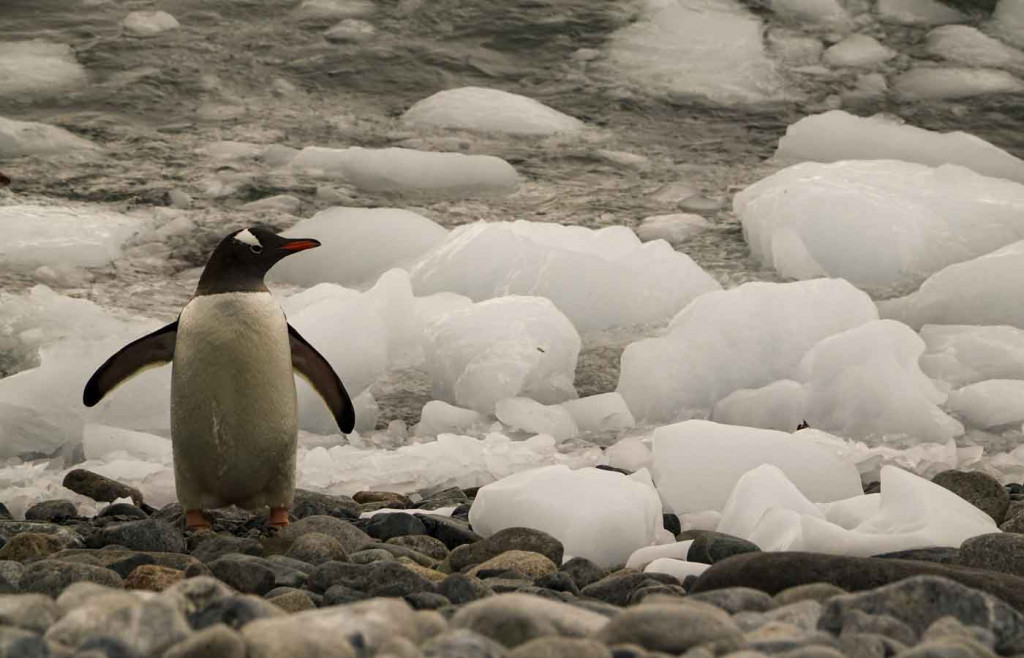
(255,248)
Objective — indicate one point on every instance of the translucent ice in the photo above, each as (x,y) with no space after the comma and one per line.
(990,403)
(918,12)
(501,348)
(649,51)
(781,405)
(968,45)
(148,23)
(102,441)
(972,292)
(964,354)
(440,417)
(600,413)
(838,135)
(407,170)
(358,245)
(38,68)
(697,463)
(63,236)
(532,416)
(678,568)
(641,557)
(881,224)
(822,12)
(858,50)
(490,110)
(19,138)
(929,83)
(712,348)
(599,279)
(630,453)
(600,515)
(757,491)
(672,228)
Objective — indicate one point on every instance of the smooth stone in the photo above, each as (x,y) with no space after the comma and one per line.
(997,551)
(343,594)
(52,511)
(1015,524)
(425,544)
(221,545)
(69,537)
(710,547)
(153,578)
(393,579)
(561,647)
(450,497)
(952,627)
(937,554)
(293,601)
(311,503)
(462,643)
(659,592)
(194,594)
(426,600)
(264,639)
(948,647)
(316,548)
(10,573)
(673,627)
(32,612)
(147,626)
(123,561)
(50,577)
(20,643)
(869,645)
(396,524)
(99,488)
(460,588)
(432,575)
(509,539)
(243,575)
(123,512)
(234,611)
(920,600)
(350,537)
(334,573)
(513,619)
(858,621)
(401,552)
(217,641)
(30,545)
(779,637)
(530,564)
(146,535)
(371,555)
(819,592)
(285,566)
(736,599)
(394,500)
(583,572)
(979,489)
(616,588)
(558,581)
(450,532)
(5,514)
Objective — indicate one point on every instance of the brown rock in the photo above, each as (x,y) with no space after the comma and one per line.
(530,564)
(30,545)
(294,601)
(153,577)
(98,487)
(429,574)
(425,544)
(393,500)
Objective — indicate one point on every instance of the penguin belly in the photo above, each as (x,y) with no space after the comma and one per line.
(234,424)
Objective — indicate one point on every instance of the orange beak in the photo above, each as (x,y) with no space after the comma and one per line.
(300,245)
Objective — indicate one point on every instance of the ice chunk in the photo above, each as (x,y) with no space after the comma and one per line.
(38,68)
(407,170)
(858,50)
(440,417)
(501,348)
(149,23)
(599,279)
(678,568)
(837,135)
(641,557)
(990,403)
(630,453)
(757,491)
(697,463)
(68,236)
(918,12)
(1008,21)
(968,45)
(672,228)
(972,292)
(851,512)
(779,406)
(350,30)
(649,52)
(883,225)
(102,441)
(334,9)
(927,83)
(794,48)
(358,245)
(712,348)
(490,110)
(18,138)
(28,433)
(961,354)
(600,515)
(600,413)
(822,12)
(532,416)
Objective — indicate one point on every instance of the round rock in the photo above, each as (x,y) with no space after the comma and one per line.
(53,511)
(980,489)
(530,564)
(998,551)
(673,627)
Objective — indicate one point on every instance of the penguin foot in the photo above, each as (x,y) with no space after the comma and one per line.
(278,517)
(194,520)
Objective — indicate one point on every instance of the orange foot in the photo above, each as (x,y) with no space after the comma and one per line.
(278,517)
(194,520)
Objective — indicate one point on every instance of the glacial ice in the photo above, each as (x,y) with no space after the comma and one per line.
(756,492)
(38,68)
(712,347)
(883,225)
(149,23)
(697,463)
(19,138)
(990,403)
(65,236)
(599,278)
(603,412)
(673,228)
(407,170)
(858,50)
(500,348)
(969,45)
(678,568)
(932,83)
(630,453)
(781,405)
(439,417)
(358,245)
(641,557)
(964,354)
(828,13)
(838,135)
(600,515)
(536,418)
(917,12)
(490,110)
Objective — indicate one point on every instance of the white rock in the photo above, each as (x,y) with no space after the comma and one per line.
(440,417)
(963,354)
(968,45)
(990,403)
(708,352)
(407,170)
(697,463)
(641,557)
(883,225)
(334,9)
(673,228)
(149,23)
(599,279)
(858,50)
(648,52)
(357,245)
(929,83)
(917,12)
(781,405)
(38,68)
(490,110)
(596,514)
(678,568)
(821,12)
(600,413)
(972,292)
(350,29)
(532,416)
(838,135)
(794,48)
(18,138)
(630,453)
(501,348)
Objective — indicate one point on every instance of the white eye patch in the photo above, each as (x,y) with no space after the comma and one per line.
(248,238)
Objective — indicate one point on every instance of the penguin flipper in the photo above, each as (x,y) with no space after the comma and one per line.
(315,369)
(151,350)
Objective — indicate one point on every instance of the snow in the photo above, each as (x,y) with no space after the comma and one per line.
(596,514)
(674,228)
(500,348)
(599,278)
(536,418)
(838,135)
(149,23)
(38,68)
(858,50)
(698,462)
(990,403)
(439,417)
(917,12)
(971,292)
(357,245)
(19,138)
(407,170)
(968,45)
(932,83)
(649,51)
(883,225)
(821,12)
(965,354)
(712,347)
(483,109)
(605,412)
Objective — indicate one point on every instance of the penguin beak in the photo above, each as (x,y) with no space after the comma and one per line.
(299,245)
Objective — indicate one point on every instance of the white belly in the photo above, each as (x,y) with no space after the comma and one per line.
(233,407)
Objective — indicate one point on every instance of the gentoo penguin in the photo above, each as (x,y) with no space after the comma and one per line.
(234,422)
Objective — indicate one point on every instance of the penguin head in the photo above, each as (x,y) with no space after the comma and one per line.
(243,258)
